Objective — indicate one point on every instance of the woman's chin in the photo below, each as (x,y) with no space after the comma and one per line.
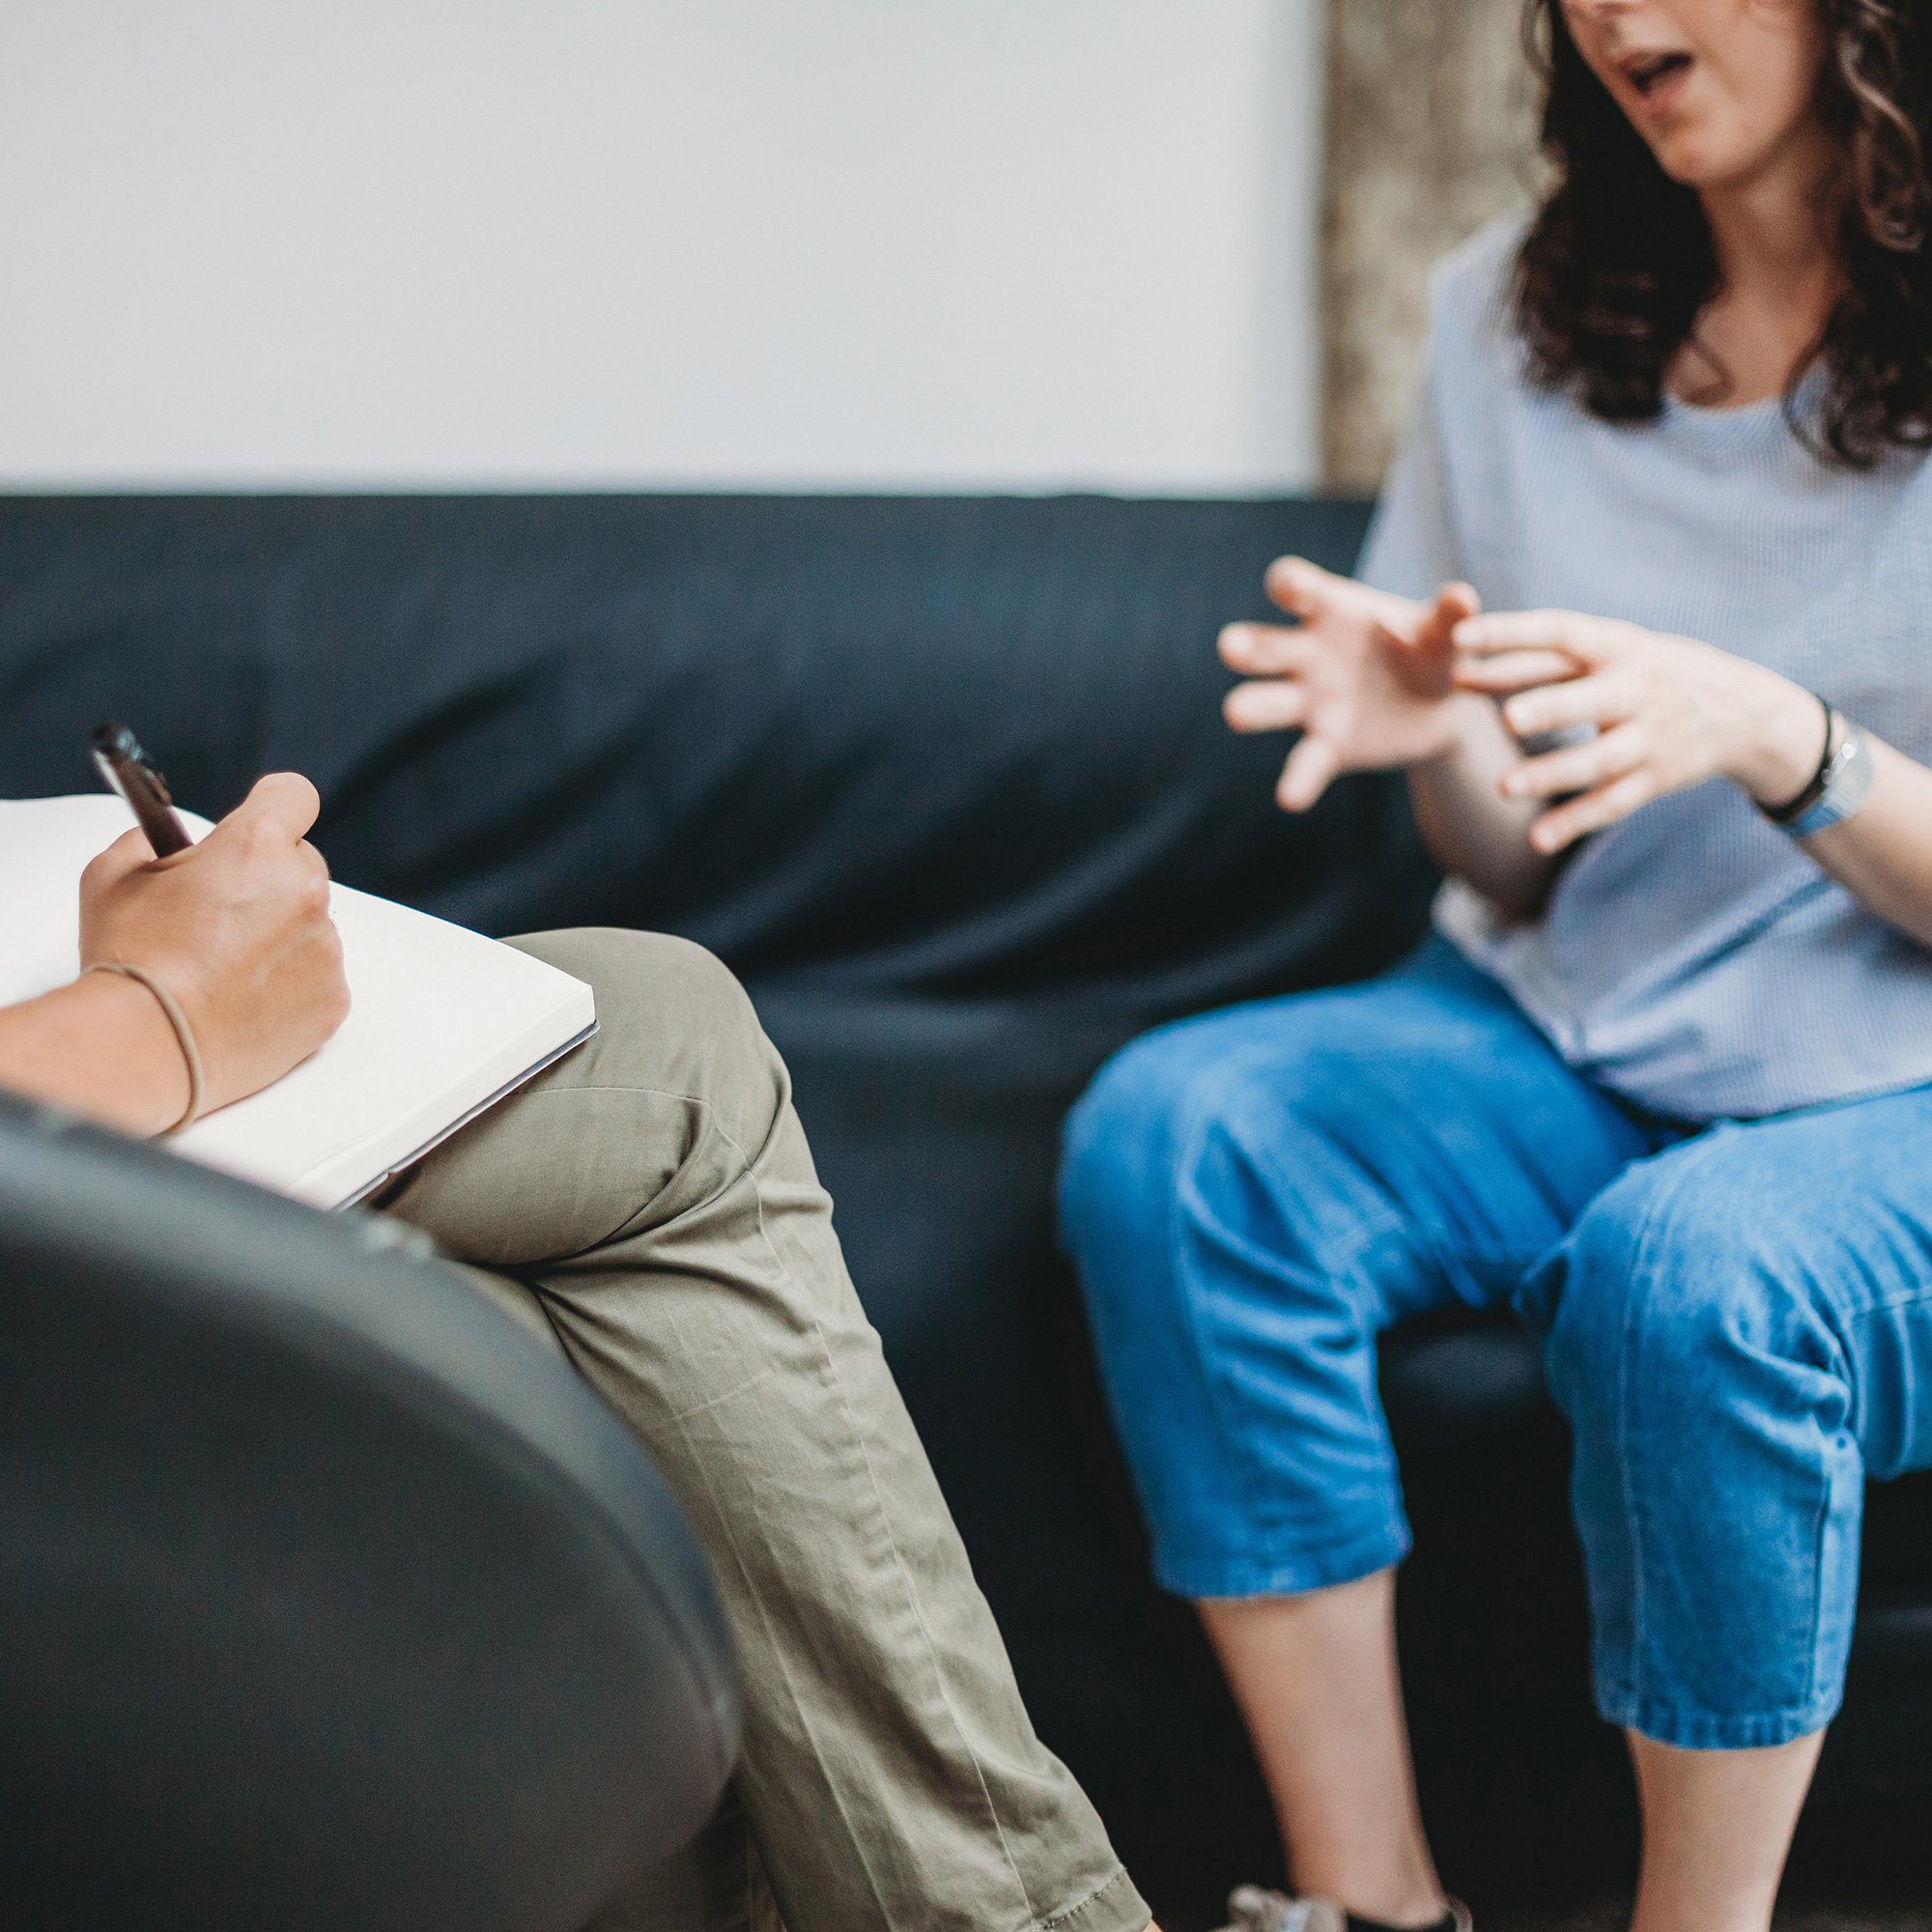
(1700,159)
(1697,164)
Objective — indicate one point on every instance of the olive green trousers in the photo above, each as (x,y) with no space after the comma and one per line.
(650,1204)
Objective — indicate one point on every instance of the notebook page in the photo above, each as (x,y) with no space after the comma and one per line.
(441,1020)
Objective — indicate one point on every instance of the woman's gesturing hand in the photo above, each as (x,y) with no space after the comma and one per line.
(236,929)
(1668,713)
(1365,677)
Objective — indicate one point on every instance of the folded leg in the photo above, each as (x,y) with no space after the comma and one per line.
(655,1193)
(1253,1197)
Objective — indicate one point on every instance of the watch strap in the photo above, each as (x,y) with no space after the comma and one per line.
(1795,807)
(1848,783)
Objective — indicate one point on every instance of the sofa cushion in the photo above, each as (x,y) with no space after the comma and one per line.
(882,744)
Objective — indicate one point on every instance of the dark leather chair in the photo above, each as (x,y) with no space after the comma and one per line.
(328,1599)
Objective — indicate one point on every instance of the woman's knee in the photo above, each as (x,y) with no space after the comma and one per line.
(1205,1165)
(1682,1298)
(1160,1132)
(1118,1146)
(654,973)
(671,1017)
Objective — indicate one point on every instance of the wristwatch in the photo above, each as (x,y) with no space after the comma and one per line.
(1838,787)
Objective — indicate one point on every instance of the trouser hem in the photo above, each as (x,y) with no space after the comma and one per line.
(1116,1907)
(1216,1576)
(1705,1730)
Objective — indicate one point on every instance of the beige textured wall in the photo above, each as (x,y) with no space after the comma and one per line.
(1430,132)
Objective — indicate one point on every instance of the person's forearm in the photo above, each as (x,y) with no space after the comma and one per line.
(102,1047)
(1474,834)
(1884,854)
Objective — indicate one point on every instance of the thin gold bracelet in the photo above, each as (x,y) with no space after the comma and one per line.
(183,1034)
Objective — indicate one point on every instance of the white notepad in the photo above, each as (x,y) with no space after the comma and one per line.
(442,1022)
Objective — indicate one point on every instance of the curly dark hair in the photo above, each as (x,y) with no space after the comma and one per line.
(1618,262)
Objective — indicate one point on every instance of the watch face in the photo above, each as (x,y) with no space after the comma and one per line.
(1851,787)
(1848,785)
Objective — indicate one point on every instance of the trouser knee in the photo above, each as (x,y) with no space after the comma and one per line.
(1678,1320)
(672,1019)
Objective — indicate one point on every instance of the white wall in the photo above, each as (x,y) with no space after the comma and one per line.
(926,243)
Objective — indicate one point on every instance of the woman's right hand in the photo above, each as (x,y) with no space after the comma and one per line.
(1364,677)
(236,929)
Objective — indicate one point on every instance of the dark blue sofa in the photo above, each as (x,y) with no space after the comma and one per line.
(945,781)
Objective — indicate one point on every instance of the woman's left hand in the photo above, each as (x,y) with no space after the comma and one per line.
(1669,712)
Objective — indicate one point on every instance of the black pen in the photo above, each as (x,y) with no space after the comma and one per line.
(124,766)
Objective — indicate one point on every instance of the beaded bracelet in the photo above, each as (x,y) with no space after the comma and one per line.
(183,1034)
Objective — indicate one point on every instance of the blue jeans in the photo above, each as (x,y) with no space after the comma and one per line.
(1737,1319)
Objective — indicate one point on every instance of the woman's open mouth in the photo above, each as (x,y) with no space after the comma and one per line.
(1655,73)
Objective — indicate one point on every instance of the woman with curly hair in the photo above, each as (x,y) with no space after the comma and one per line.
(1661,1080)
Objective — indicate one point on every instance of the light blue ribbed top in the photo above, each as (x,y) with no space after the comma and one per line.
(1692,958)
